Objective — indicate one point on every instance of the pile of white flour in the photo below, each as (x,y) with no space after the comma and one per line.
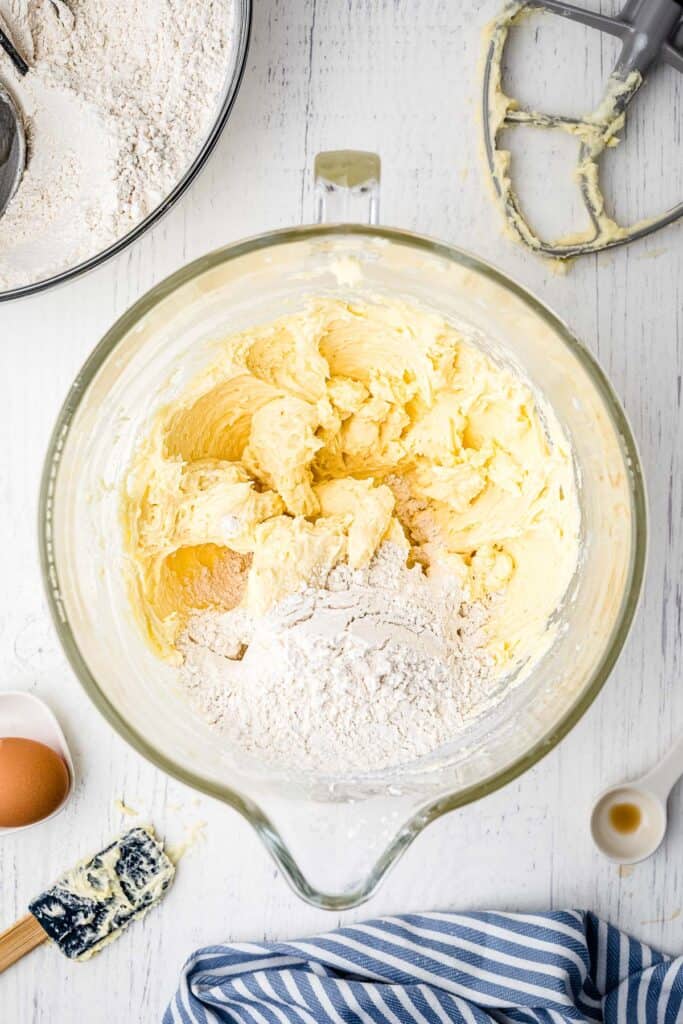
(117,102)
(366,669)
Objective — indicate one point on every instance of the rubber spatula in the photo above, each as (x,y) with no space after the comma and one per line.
(89,906)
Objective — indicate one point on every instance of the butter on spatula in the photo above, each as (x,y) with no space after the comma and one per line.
(89,906)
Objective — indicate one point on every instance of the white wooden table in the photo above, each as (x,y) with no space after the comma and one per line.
(399,77)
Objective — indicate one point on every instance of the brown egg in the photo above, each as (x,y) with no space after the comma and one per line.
(33,781)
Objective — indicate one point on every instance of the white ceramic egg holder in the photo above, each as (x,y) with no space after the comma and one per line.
(22,714)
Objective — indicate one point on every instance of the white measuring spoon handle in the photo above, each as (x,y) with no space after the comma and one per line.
(668,771)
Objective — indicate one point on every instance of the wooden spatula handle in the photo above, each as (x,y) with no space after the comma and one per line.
(19,940)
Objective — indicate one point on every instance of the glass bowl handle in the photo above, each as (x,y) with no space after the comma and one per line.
(347,187)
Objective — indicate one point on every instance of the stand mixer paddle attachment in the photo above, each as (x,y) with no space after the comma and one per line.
(650,31)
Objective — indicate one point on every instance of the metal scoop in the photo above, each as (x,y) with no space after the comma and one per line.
(12,149)
(650,31)
(12,137)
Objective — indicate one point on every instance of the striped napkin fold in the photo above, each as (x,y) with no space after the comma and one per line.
(437,967)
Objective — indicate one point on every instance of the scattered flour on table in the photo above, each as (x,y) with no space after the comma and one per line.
(117,102)
(364,669)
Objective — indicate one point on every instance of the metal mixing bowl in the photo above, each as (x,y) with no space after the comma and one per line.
(243,16)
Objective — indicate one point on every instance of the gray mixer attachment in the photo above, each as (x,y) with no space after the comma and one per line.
(650,31)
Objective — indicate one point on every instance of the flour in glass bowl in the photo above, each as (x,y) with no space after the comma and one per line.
(118,100)
(362,670)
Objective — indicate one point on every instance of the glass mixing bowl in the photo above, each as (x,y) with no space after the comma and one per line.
(334,836)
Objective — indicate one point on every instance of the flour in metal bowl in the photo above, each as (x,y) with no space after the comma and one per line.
(118,100)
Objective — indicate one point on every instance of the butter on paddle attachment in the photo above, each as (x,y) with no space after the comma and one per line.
(90,905)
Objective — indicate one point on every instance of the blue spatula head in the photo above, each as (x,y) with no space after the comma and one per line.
(89,906)
(650,31)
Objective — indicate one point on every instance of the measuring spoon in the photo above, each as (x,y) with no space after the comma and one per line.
(628,822)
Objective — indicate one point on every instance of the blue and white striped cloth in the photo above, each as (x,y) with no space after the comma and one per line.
(436,968)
